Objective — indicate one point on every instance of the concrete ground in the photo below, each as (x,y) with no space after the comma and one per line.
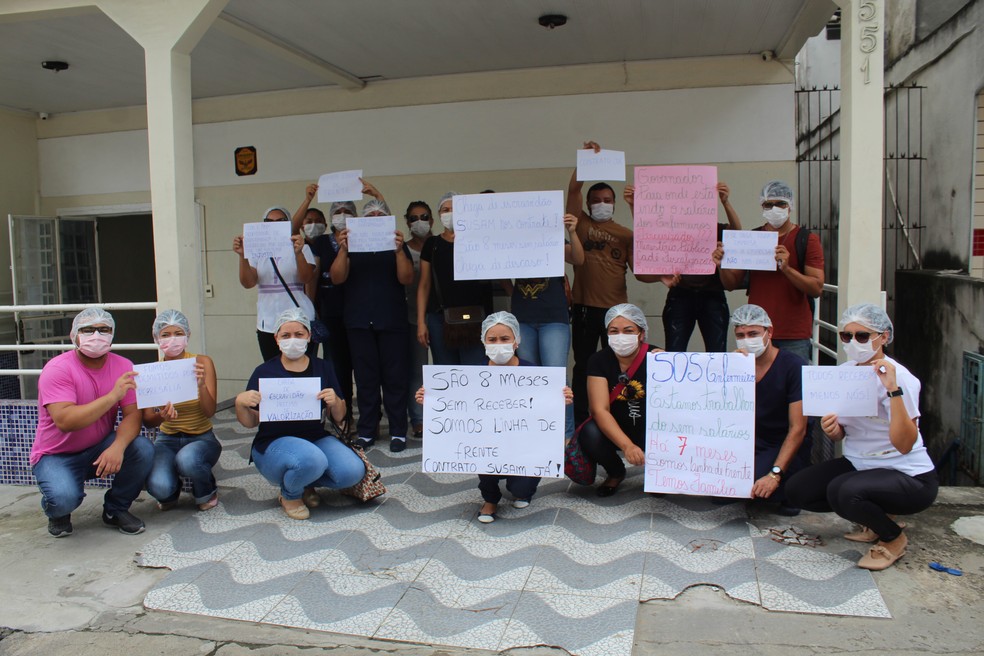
(82,596)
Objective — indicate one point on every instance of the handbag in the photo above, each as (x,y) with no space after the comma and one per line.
(319,331)
(371,485)
(577,466)
(462,323)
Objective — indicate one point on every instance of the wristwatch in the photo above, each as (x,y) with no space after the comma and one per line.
(897,392)
(776,472)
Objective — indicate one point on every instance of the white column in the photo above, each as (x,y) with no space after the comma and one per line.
(862,172)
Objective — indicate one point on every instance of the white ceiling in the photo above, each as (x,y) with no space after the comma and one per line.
(388,39)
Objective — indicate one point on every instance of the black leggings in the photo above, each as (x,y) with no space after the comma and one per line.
(864,497)
(602,450)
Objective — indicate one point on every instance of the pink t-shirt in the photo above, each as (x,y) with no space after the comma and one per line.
(65,378)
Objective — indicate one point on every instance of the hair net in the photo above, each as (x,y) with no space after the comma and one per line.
(90,317)
(507,319)
(630,312)
(170,318)
(293,314)
(777,190)
(447,196)
(376,205)
(338,206)
(870,316)
(277,207)
(751,315)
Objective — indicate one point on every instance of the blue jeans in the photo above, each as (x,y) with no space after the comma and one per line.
(292,464)
(61,476)
(418,358)
(444,355)
(548,344)
(191,456)
(801,347)
(708,309)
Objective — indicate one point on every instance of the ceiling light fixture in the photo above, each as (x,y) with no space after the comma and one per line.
(550,21)
(54,65)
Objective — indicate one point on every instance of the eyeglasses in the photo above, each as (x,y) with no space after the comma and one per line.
(413,218)
(769,204)
(92,330)
(861,337)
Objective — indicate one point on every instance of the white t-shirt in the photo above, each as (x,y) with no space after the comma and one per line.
(272,300)
(866,441)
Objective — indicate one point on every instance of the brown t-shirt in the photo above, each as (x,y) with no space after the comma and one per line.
(600,281)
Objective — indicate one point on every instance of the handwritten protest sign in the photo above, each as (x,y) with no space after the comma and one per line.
(514,235)
(700,424)
(290,399)
(507,421)
(344,185)
(603,165)
(368,234)
(675,219)
(261,241)
(159,383)
(750,249)
(846,391)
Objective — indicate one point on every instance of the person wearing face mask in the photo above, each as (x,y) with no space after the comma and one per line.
(79,395)
(185,444)
(298,456)
(599,282)
(618,420)
(782,442)
(276,295)
(501,338)
(885,467)
(437,290)
(786,292)
(420,223)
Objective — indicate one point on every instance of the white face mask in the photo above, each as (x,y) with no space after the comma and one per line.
(500,353)
(293,347)
(624,345)
(753,345)
(338,221)
(447,220)
(420,228)
(95,345)
(172,347)
(602,211)
(776,216)
(859,353)
(314,230)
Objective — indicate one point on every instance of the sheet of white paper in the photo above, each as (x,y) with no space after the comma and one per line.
(604,165)
(261,241)
(159,383)
(846,391)
(290,399)
(750,250)
(494,420)
(343,185)
(368,234)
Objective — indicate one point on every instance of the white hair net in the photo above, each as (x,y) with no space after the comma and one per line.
(293,314)
(507,319)
(90,317)
(447,196)
(340,205)
(376,205)
(170,318)
(277,207)
(630,312)
(751,315)
(870,316)
(777,190)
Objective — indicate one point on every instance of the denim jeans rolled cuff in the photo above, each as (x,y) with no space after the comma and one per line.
(292,464)
(61,476)
(183,455)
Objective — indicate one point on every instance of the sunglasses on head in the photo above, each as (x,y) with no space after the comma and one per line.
(861,337)
(769,204)
(413,218)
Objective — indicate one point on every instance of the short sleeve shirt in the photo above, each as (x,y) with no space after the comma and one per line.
(781,386)
(600,281)
(273,299)
(540,300)
(788,307)
(629,408)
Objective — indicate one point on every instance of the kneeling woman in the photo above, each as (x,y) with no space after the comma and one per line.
(885,468)
(298,456)
(500,334)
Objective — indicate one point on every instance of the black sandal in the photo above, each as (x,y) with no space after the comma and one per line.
(608,490)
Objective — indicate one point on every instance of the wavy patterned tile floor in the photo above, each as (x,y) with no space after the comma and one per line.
(416,566)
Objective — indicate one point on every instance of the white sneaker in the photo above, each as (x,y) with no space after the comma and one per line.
(521,503)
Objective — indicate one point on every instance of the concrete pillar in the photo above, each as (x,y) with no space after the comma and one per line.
(862,172)
(168,31)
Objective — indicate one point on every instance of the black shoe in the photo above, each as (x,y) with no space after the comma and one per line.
(398,444)
(60,527)
(364,443)
(787,511)
(124,521)
(608,490)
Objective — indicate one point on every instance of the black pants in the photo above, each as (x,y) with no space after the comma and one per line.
(340,357)
(708,309)
(380,359)
(765,459)
(602,450)
(521,487)
(587,327)
(864,497)
(270,350)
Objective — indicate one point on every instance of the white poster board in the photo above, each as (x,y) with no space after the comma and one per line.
(370,234)
(160,383)
(846,391)
(507,421)
(512,235)
(750,250)
(340,186)
(603,165)
(290,399)
(700,424)
(261,241)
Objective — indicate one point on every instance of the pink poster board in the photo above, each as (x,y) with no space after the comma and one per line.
(675,219)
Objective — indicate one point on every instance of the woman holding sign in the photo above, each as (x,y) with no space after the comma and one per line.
(298,455)
(186,445)
(885,468)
